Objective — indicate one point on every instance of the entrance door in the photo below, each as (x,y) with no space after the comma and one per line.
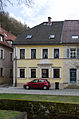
(72,75)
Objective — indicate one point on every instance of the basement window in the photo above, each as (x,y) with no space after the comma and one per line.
(75,37)
(52,36)
(29,36)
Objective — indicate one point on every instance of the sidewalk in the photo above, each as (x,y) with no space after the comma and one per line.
(19,90)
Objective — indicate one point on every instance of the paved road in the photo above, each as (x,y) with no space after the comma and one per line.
(16,90)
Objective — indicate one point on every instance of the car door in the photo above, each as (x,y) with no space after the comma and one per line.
(40,83)
(34,83)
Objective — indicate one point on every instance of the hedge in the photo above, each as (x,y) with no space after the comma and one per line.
(42,109)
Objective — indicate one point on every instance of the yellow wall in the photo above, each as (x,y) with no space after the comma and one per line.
(34,62)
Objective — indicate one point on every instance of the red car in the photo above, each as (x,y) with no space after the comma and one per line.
(38,83)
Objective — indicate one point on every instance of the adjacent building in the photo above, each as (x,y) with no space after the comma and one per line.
(49,50)
(6,52)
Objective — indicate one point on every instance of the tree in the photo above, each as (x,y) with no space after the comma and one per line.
(11,25)
(3,3)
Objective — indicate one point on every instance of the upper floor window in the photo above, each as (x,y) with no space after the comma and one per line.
(73,53)
(1,38)
(22,53)
(33,53)
(56,53)
(45,54)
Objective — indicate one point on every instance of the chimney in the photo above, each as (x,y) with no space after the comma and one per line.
(49,20)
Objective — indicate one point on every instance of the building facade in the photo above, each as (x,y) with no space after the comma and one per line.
(46,52)
(6,60)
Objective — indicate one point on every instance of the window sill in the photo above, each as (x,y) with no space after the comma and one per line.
(56,78)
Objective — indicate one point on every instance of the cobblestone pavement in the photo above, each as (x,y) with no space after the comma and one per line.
(17,90)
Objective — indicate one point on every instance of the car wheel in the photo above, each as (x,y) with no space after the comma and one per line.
(27,87)
(45,88)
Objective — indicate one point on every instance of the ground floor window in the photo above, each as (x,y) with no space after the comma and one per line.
(1,71)
(45,73)
(22,73)
(11,72)
(56,73)
(33,73)
(73,75)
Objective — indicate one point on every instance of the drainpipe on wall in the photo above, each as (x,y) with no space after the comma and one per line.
(15,69)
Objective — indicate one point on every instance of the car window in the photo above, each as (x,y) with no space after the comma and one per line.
(41,80)
(34,81)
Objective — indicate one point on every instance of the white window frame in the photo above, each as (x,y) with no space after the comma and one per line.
(70,52)
(41,72)
(19,72)
(59,53)
(25,52)
(53,72)
(30,52)
(30,72)
(1,39)
(42,52)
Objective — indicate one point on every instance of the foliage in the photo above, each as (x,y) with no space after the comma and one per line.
(42,109)
(11,24)
(8,114)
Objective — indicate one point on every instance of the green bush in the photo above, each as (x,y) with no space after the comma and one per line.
(42,109)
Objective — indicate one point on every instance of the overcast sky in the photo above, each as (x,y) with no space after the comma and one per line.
(40,10)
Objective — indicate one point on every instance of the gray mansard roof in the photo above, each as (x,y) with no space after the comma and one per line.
(40,34)
(70,29)
(64,32)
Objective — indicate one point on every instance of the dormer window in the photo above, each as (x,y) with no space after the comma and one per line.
(29,36)
(74,37)
(1,38)
(52,36)
(10,42)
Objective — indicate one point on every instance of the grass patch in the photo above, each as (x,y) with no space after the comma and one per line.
(36,97)
(7,114)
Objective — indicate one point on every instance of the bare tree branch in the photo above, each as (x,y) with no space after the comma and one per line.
(3,3)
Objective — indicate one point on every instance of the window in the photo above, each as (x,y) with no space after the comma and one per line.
(33,53)
(10,56)
(11,72)
(29,36)
(52,36)
(1,71)
(22,73)
(1,54)
(73,53)
(22,53)
(56,73)
(56,53)
(1,38)
(33,73)
(45,54)
(75,37)
(45,73)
